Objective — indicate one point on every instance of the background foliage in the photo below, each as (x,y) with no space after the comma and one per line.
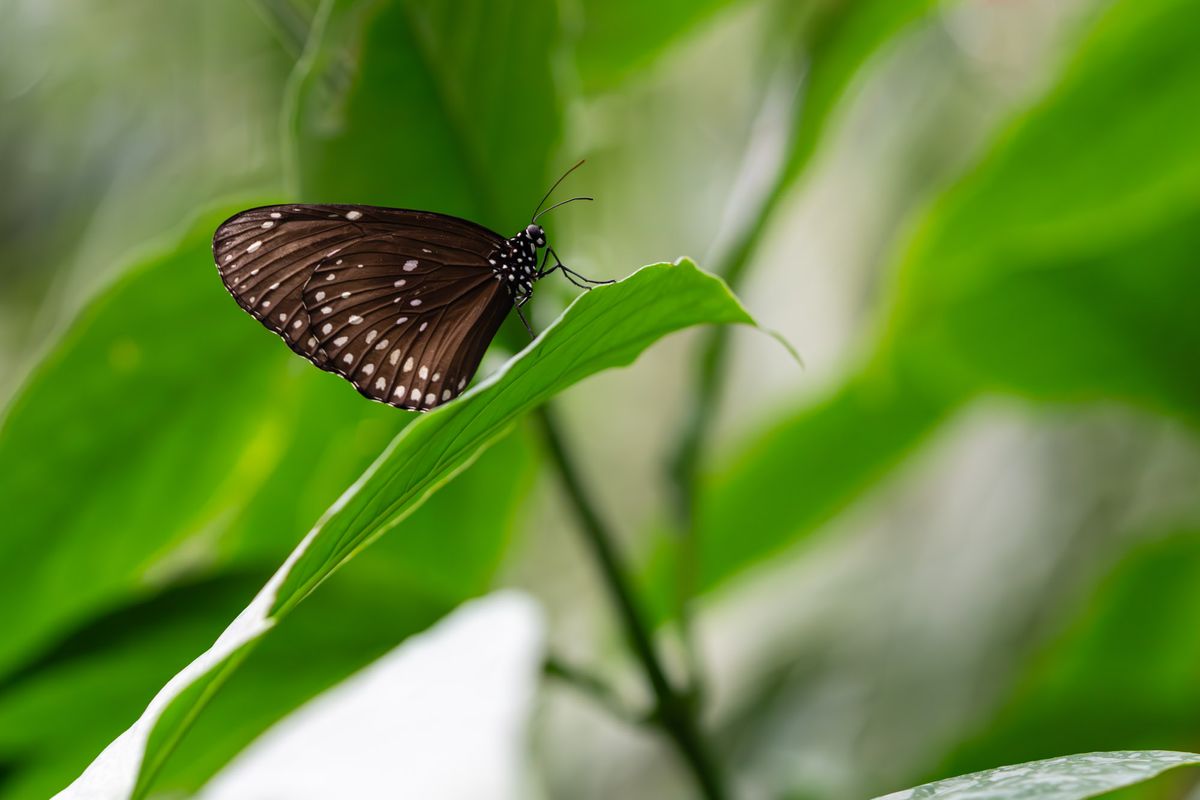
(964,535)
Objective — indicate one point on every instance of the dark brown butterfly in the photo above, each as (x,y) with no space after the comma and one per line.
(401,303)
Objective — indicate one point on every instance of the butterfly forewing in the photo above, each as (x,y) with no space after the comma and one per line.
(401,303)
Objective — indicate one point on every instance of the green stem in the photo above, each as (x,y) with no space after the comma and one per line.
(711,362)
(290,23)
(591,685)
(674,714)
(684,464)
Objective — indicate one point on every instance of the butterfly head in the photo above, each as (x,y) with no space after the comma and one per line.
(535,234)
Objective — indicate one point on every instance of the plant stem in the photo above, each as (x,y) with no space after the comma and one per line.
(592,686)
(711,362)
(673,712)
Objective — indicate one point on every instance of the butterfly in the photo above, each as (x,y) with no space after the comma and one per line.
(401,303)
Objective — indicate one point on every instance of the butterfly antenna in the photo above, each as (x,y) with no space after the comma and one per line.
(556,205)
(555,186)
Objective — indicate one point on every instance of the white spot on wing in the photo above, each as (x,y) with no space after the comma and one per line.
(254,246)
(352,215)
(320,296)
(415,396)
(275,215)
(371,336)
(368,369)
(410,265)
(268,224)
(408,364)
(341,340)
(355,319)
(380,384)
(397,284)
(445,395)
(394,357)
(348,358)
(423,372)
(326,328)
(430,399)
(415,303)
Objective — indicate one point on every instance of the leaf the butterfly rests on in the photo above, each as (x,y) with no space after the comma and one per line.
(401,303)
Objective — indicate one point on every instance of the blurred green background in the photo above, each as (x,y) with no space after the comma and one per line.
(965,534)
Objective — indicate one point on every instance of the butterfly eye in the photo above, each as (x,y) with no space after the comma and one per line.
(536,234)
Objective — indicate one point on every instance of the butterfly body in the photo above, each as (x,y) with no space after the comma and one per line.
(401,303)
(515,264)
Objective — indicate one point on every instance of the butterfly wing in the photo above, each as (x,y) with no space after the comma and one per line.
(286,264)
(407,325)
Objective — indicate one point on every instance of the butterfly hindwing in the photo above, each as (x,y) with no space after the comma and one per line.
(405,323)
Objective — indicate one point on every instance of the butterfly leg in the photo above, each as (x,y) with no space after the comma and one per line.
(525,322)
(541,273)
(573,276)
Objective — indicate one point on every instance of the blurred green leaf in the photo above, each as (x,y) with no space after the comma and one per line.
(447,552)
(617,38)
(1132,643)
(1061,268)
(103,680)
(147,434)
(812,465)
(444,553)
(443,106)
(1081,224)
(267,477)
(633,313)
(1064,778)
(842,37)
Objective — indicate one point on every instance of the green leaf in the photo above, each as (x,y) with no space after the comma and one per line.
(1133,642)
(103,680)
(811,465)
(1081,224)
(606,327)
(842,38)
(1062,268)
(256,477)
(1066,778)
(618,38)
(134,472)
(396,588)
(443,106)
(446,551)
